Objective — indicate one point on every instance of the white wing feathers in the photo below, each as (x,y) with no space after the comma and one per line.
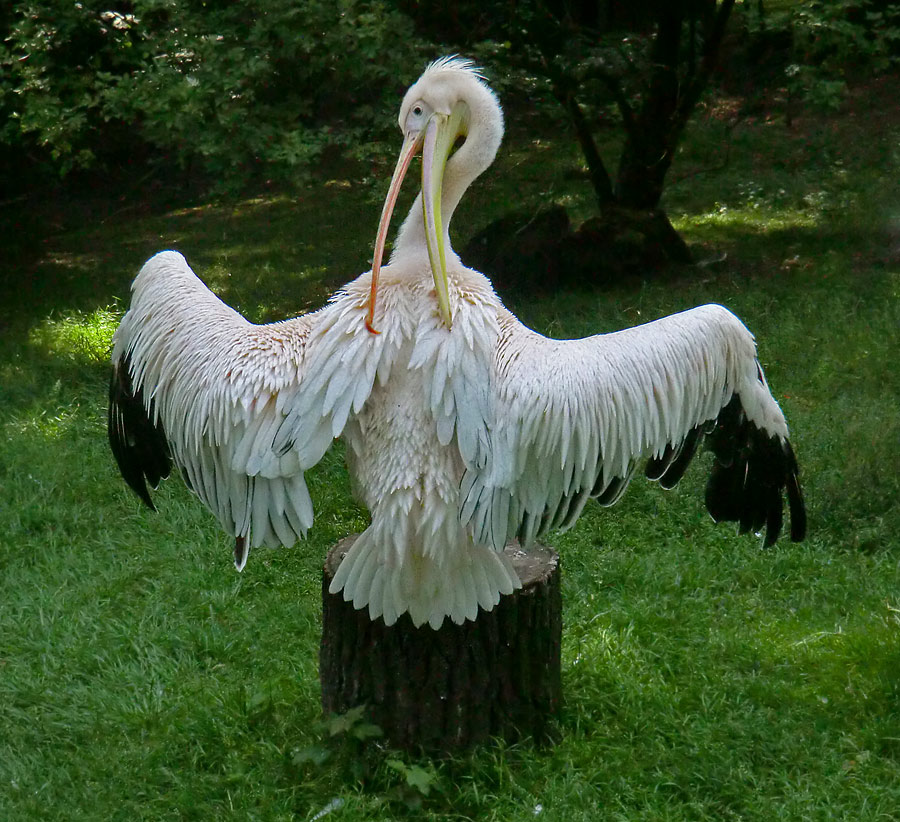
(218,389)
(572,417)
(343,360)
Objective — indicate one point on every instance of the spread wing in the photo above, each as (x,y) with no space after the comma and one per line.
(572,418)
(195,383)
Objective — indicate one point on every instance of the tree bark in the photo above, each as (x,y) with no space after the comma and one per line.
(648,150)
(653,134)
(596,169)
(460,685)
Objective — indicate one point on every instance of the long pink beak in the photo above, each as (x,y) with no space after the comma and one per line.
(410,146)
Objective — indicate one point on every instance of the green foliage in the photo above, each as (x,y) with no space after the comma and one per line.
(350,744)
(237,91)
(344,739)
(832,43)
(642,66)
(416,777)
(244,92)
(50,90)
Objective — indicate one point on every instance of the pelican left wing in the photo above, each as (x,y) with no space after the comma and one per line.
(194,382)
(573,417)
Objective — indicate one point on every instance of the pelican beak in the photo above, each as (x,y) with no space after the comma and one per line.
(440,134)
(436,140)
(410,145)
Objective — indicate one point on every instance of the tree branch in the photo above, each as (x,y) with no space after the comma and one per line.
(711,44)
(611,81)
(562,87)
(596,169)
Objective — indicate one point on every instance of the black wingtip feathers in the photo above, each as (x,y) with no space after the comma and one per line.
(751,473)
(138,444)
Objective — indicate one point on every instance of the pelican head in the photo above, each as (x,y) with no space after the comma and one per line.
(449,101)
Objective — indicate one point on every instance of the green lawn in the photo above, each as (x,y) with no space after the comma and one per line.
(705,678)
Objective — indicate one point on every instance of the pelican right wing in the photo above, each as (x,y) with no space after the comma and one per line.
(195,382)
(573,417)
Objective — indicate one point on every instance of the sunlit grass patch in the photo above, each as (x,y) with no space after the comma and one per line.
(724,222)
(755,217)
(50,425)
(82,337)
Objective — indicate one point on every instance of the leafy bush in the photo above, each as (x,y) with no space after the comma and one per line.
(833,41)
(49,88)
(233,90)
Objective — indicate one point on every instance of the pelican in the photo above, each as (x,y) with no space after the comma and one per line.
(464,429)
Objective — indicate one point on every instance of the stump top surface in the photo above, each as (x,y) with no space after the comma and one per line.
(532,566)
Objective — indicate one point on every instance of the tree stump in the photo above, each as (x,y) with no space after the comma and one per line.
(455,687)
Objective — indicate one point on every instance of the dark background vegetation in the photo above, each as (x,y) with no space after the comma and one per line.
(221,98)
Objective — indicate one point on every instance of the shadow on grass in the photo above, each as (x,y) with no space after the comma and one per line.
(269,257)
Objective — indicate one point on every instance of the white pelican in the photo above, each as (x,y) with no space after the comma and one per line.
(464,429)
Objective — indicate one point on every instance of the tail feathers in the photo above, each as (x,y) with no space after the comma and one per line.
(429,585)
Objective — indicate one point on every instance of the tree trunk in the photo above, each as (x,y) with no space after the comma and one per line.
(460,685)
(649,142)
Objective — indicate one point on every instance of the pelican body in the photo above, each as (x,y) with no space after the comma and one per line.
(464,429)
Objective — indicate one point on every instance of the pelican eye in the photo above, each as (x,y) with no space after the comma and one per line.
(418,111)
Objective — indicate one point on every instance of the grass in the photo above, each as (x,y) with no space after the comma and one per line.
(141,678)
